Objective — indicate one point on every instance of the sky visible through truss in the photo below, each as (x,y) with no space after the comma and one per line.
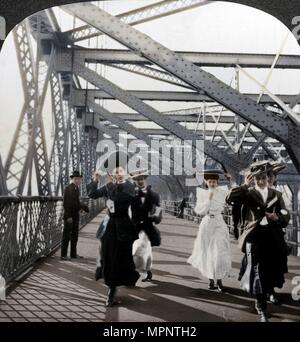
(217,27)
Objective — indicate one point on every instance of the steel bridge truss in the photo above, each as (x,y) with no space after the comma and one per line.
(268,126)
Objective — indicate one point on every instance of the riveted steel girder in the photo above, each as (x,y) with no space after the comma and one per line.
(178,96)
(146,110)
(59,167)
(272,124)
(140,15)
(203,59)
(122,125)
(28,143)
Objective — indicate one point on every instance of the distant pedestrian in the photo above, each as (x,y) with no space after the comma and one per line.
(182,205)
(72,208)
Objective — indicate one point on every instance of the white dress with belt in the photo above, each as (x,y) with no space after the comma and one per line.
(211,254)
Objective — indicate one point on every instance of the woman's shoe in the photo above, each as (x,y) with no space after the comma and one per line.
(110,300)
(263,317)
(211,285)
(220,286)
(148,277)
(258,307)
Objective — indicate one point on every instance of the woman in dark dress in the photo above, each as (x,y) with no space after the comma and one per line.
(116,244)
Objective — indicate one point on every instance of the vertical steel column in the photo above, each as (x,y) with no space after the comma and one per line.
(3,186)
(59,157)
(295,187)
(20,153)
(28,143)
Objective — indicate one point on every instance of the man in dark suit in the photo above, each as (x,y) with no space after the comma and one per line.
(72,207)
(145,212)
(262,239)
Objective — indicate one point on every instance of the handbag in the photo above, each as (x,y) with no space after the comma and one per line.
(102,228)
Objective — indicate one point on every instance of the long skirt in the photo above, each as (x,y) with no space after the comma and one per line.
(266,263)
(212,254)
(118,267)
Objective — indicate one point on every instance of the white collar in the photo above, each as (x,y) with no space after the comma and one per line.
(263,192)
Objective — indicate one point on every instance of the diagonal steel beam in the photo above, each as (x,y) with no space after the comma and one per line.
(138,16)
(151,113)
(177,65)
(280,128)
(151,72)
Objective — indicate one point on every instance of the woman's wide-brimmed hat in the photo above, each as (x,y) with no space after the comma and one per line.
(76,174)
(264,166)
(277,167)
(139,174)
(212,174)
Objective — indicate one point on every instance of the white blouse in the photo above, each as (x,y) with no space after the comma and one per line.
(215,206)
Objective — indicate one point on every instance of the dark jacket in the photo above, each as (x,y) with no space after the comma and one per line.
(141,209)
(255,208)
(144,213)
(71,202)
(122,195)
(262,241)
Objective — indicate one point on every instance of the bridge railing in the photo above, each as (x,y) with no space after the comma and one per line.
(31,228)
(173,208)
(292,230)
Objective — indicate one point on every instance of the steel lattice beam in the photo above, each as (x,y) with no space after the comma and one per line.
(139,16)
(284,130)
(43,73)
(75,139)
(151,72)
(59,157)
(28,142)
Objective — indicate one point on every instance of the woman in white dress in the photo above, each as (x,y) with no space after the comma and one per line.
(211,254)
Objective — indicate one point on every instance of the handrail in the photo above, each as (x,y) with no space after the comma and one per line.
(292,232)
(31,228)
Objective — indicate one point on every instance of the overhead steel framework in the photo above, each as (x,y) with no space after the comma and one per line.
(235,127)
